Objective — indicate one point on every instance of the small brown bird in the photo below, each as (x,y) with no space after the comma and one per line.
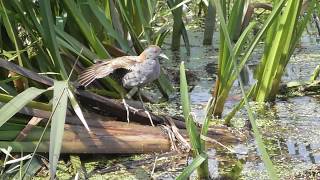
(143,69)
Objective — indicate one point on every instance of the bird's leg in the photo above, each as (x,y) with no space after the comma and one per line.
(144,108)
(127,106)
(127,109)
(129,95)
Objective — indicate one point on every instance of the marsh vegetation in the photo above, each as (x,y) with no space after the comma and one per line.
(237,98)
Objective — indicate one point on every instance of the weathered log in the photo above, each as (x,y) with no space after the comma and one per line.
(222,134)
(114,137)
(114,108)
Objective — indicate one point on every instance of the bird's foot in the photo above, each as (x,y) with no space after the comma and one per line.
(145,111)
(128,108)
(149,116)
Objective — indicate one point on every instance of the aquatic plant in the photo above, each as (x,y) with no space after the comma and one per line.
(200,158)
(46,36)
(280,42)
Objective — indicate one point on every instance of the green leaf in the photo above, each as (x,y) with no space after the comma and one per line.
(35,166)
(50,37)
(17,103)
(77,109)
(60,100)
(123,11)
(32,104)
(276,58)
(73,10)
(190,125)
(65,38)
(108,26)
(178,26)
(193,166)
(223,89)
(184,92)
(11,32)
(258,137)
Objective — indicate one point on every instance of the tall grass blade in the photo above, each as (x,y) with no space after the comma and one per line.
(223,91)
(129,24)
(18,102)
(33,104)
(144,18)
(107,24)
(77,109)
(66,39)
(184,92)
(185,101)
(11,28)
(11,32)
(60,100)
(209,26)
(7,153)
(50,37)
(196,143)
(18,159)
(275,58)
(35,166)
(178,26)
(196,162)
(73,9)
(261,147)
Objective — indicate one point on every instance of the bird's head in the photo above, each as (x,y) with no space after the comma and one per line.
(152,52)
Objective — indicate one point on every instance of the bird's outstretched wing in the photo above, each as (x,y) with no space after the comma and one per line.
(104,68)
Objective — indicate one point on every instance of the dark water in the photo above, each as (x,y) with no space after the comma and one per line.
(291,128)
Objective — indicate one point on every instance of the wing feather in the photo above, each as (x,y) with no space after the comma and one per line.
(103,69)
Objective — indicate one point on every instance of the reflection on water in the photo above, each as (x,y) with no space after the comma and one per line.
(305,152)
(291,129)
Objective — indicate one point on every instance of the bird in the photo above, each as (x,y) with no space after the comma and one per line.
(142,69)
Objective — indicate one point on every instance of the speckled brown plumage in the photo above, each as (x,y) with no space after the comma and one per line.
(142,69)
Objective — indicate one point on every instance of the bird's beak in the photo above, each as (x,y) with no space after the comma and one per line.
(164,56)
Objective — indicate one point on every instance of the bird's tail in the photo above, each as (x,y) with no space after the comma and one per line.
(95,71)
